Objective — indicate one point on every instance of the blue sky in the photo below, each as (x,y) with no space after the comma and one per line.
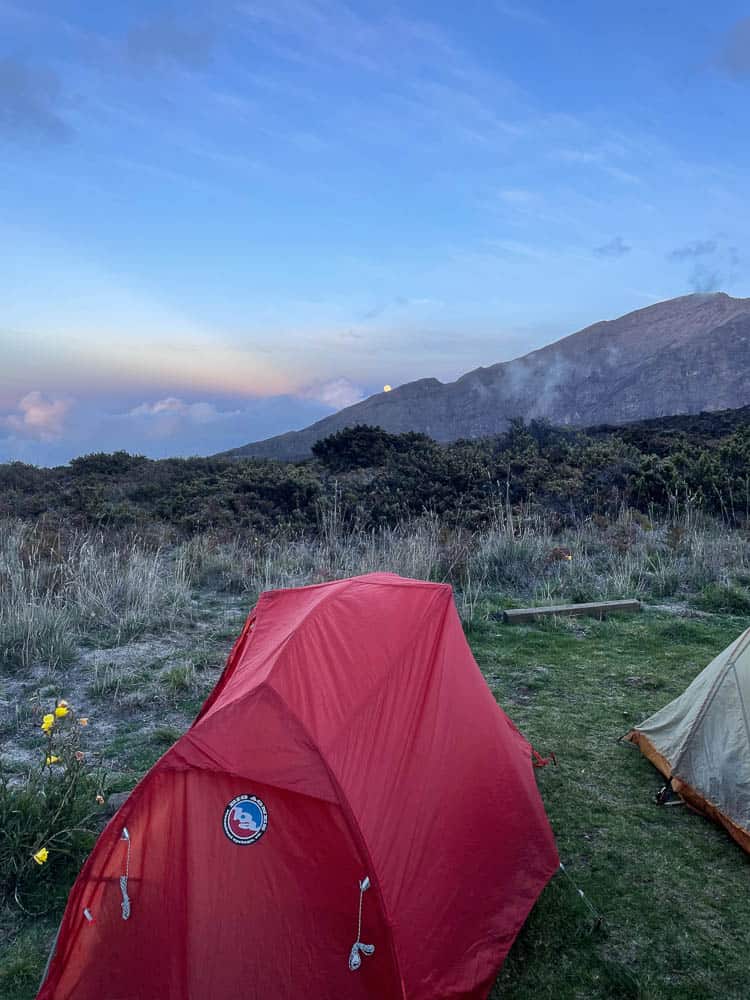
(222,220)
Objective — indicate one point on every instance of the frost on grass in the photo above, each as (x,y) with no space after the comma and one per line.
(135,633)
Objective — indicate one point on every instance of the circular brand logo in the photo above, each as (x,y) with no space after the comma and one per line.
(245,819)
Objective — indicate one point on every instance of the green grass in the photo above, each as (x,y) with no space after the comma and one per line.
(22,958)
(179,679)
(112,681)
(136,752)
(717,597)
(671,886)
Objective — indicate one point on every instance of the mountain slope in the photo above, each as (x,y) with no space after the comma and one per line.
(680,356)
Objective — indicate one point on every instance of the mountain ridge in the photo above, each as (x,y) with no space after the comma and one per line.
(683,355)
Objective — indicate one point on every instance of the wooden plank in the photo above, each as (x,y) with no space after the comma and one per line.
(598,609)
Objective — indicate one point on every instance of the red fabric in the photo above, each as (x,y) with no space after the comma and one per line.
(355,711)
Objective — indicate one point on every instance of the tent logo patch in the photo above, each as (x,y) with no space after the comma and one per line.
(245,819)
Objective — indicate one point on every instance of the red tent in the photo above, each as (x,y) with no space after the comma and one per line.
(351,815)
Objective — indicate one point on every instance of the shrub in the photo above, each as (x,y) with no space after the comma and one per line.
(47,817)
(669,467)
(103,464)
(362,447)
(722,598)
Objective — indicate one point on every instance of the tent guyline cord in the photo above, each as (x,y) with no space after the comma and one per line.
(355,959)
(87,912)
(124,878)
(598,918)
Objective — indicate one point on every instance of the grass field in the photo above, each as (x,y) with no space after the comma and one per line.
(670,886)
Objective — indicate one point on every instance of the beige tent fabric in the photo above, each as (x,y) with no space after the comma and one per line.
(704,734)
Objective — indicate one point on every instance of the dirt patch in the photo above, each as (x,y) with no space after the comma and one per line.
(106,686)
(680,609)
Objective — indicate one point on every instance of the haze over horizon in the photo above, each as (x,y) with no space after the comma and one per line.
(225,220)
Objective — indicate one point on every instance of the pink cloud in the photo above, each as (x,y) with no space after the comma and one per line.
(338,393)
(167,416)
(38,417)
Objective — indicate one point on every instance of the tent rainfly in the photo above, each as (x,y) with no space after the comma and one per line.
(350,816)
(701,741)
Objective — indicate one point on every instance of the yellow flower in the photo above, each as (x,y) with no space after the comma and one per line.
(83,722)
(48,722)
(41,855)
(52,759)
(62,710)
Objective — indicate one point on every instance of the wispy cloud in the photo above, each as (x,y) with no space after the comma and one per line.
(524,14)
(30,104)
(517,248)
(616,247)
(196,413)
(734,58)
(314,30)
(430,80)
(336,393)
(715,264)
(704,278)
(600,159)
(172,415)
(698,248)
(37,417)
(167,40)
(395,303)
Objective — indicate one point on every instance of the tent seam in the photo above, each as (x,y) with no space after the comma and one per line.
(378,686)
(312,612)
(224,767)
(391,580)
(276,654)
(742,701)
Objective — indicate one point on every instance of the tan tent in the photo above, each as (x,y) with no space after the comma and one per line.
(701,741)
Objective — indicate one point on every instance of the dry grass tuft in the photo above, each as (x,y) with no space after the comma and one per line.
(59,591)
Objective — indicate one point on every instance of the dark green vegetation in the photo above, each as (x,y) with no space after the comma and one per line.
(670,886)
(655,467)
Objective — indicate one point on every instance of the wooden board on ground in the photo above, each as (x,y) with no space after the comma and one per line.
(598,609)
